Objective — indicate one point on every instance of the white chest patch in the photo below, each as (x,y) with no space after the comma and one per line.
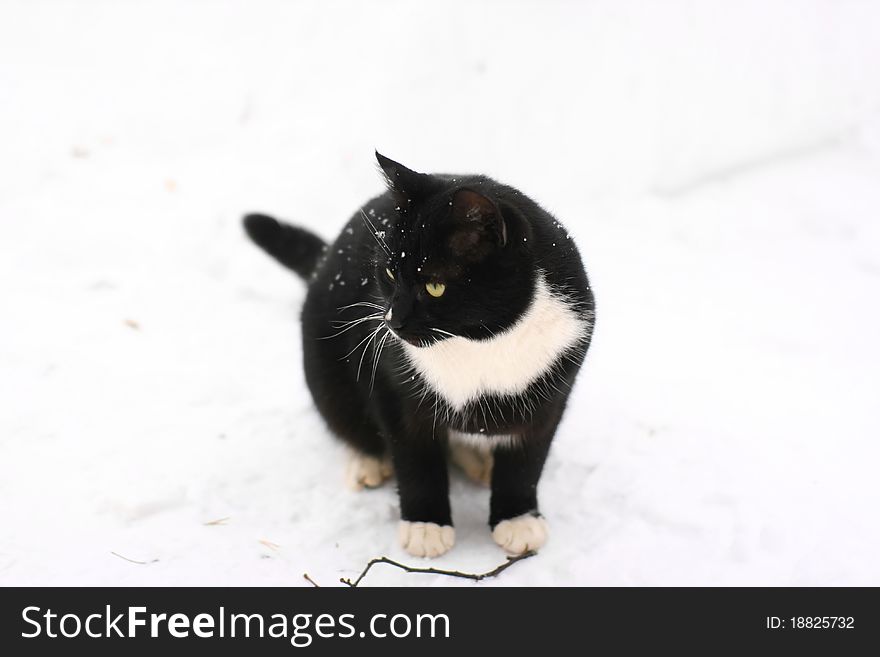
(462,370)
(481,441)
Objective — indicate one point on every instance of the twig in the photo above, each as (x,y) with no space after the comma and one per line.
(311,581)
(140,563)
(436,571)
(219,521)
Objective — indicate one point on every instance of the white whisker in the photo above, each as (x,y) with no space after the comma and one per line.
(351,322)
(379,347)
(442,332)
(357,346)
(366,304)
(375,234)
(350,325)
(370,337)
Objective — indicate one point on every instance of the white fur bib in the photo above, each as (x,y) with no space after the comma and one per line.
(461,370)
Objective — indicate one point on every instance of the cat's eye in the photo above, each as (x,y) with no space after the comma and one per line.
(389,273)
(435,289)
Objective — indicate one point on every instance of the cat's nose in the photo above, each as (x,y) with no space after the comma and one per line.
(399,312)
(393,321)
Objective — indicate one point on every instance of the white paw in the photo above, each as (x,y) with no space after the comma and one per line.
(475,462)
(425,539)
(365,471)
(521,534)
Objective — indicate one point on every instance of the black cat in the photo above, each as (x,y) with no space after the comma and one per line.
(450,317)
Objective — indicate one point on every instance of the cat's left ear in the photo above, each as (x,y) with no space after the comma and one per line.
(478,228)
(404,183)
(479,213)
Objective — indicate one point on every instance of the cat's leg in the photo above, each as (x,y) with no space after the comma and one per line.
(423,486)
(516,524)
(335,389)
(338,399)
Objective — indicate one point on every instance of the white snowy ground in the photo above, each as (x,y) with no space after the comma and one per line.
(719,165)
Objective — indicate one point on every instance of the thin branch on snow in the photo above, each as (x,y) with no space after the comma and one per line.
(140,563)
(311,581)
(436,571)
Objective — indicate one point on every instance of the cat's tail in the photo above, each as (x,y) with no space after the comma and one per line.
(295,248)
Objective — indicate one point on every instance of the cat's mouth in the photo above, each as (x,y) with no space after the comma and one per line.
(413,339)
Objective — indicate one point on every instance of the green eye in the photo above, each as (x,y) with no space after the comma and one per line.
(389,273)
(435,289)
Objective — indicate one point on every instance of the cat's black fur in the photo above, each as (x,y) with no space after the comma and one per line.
(487,243)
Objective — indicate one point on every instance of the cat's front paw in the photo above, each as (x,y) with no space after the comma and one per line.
(425,539)
(521,534)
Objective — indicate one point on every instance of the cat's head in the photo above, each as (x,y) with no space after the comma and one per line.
(456,260)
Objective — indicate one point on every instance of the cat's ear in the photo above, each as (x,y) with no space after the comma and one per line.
(479,225)
(404,183)
(473,209)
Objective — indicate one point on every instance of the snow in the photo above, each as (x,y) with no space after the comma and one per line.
(716,163)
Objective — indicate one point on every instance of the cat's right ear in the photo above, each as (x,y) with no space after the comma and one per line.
(405,184)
